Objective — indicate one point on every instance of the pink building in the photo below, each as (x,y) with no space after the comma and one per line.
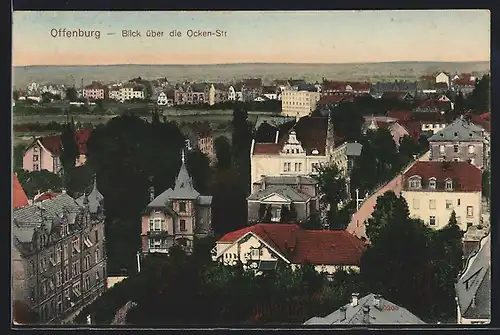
(44,152)
(176,216)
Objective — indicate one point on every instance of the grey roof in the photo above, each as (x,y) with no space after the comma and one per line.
(94,199)
(205,200)
(184,188)
(458,130)
(354,149)
(387,313)
(474,285)
(285,191)
(29,218)
(161,200)
(288,180)
(274,121)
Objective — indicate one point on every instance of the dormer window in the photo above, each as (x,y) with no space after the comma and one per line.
(415,182)
(432,183)
(449,185)
(315,152)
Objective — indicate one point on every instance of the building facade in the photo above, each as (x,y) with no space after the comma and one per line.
(176,216)
(461,141)
(95,91)
(298,103)
(59,258)
(433,190)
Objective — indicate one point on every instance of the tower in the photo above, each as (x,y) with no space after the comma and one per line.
(330,137)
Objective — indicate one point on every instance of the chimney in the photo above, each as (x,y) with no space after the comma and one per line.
(366,314)
(343,313)
(376,301)
(354,299)
(277,136)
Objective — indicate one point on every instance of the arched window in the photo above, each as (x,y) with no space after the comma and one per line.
(97,255)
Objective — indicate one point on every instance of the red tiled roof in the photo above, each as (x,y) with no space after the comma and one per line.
(414,129)
(394,95)
(333,99)
(319,247)
(466,177)
(434,104)
(428,77)
(359,86)
(53,143)
(253,83)
(441,85)
(19,198)
(464,82)
(400,115)
(95,86)
(482,120)
(429,117)
(311,132)
(46,196)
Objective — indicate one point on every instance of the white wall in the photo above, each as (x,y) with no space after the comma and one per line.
(298,102)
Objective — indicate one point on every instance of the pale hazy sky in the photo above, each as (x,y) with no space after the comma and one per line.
(254,37)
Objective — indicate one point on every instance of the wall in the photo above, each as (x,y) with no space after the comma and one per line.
(463,152)
(19,282)
(45,161)
(240,251)
(112,281)
(357,224)
(298,102)
(421,208)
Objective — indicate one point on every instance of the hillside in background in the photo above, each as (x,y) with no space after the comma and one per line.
(72,75)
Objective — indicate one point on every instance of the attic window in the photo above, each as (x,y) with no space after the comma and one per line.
(442,135)
(315,152)
(432,183)
(455,134)
(415,182)
(449,185)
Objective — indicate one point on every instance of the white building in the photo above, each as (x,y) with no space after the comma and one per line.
(132,91)
(235,92)
(299,103)
(164,100)
(260,247)
(309,144)
(433,190)
(443,78)
(95,91)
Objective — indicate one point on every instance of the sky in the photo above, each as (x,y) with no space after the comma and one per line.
(252,37)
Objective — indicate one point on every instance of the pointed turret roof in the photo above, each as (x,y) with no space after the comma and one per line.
(93,200)
(184,188)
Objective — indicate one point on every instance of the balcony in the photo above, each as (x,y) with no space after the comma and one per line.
(157,233)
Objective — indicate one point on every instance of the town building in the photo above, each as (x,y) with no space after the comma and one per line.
(434,189)
(192,94)
(44,152)
(443,77)
(396,86)
(58,255)
(299,194)
(270,92)
(461,141)
(165,98)
(340,87)
(114,92)
(260,247)
(370,309)
(235,92)
(95,91)
(397,95)
(252,88)
(176,216)
(300,102)
(310,143)
(199,137)
(217,94)
(473,289)
(131,91)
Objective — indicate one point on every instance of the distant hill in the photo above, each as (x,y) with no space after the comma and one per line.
(373,72)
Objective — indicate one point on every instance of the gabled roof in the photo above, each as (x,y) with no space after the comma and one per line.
(53,143)
(19,198)
(252,83)
(291,194)
(319,247)
(94,199)
(459,130)
(474,285)
(387,313)
(183,188)
(465,176)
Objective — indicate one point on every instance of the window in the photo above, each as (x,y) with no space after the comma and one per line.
(432,204)
(35,158)
(449,204)
(182,207)
(441,149)
(52,257)
(471,149)
(151,224)
(432,220)
(86,283)
(88,243)
(35,149)
(76,245)
(182,225)
(66,274)
(455,148)
(470,211)
(456,159)
(300,166)
(58,278)
(314,167)
(96,234)
(36,167)
(157,223)
(97,277)
(296,166)
(59,304)
(97,256)
(65,252)
(75,268)
(286,166)
(87,262)
(458,202)
(415,183)
(255,252)
(449,185)
(432,183)
(416,203)
(58,253)
(32,293)
(76,290)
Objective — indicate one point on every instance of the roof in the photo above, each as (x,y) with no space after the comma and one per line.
(354,149)
(19,198)
(414,129)
(386,313)
(95,86)
(289,193)
(400,114)
(394,95)
(311,132)
(482,120)
(27,219)
(458,130)
(268,90)
(473,288)
(464,82)
(319,247)
(466,177)
(253,83)
(202,129)
(333,99)
(199,87)
(274,121)
(93,200)
(288,180)
(46,196)
(53,143)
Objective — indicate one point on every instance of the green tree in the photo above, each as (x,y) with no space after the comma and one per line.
(266,133)
(486,184)
(363,176)
(15,95)
(18,155)
(69,148)
(198,165)
(332,186)
(71,94)
(407,149)
(388,162)
(313,223)
(223,153)
(46,97)
(262,211)
(39,181)
(389,208)
(348,121)
(268,215)
(293,212)
(285,214)
(241,142)
(481,96)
